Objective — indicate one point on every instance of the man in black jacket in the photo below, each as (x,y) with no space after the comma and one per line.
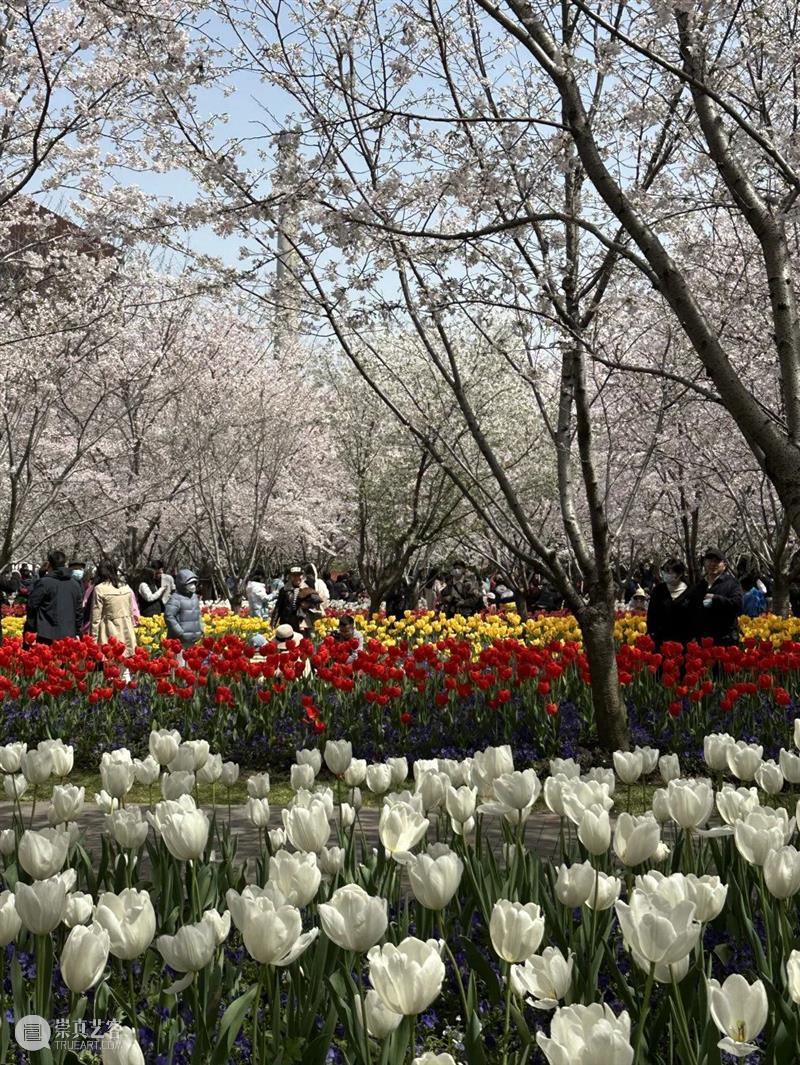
(55,602)
(717,601)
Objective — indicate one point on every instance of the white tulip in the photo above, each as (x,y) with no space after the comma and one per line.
(715,751)
(354,920)
(10,922)
(628,765)
(296,876)
(407,977)
(574,884)
(605,891)
(211,770)
(78,910)
(258,786)
(147,771)
(307,827)
(42,854)
(128,827)
(636,839)
(740,1011)
(42,904)
(790,765)
(782,872)
(734,804)
(301,776)
(181,782)
(400,828)
(769,777)
(566,767)
(669,767)
(229,774)
(435,877)
(164,745)
(744,759)
(399,768)
(83,957)
(10,756)
(543,979)
(310,757)
(516,930)
(587,1034)
(379,778)
(338,756)
(690,802)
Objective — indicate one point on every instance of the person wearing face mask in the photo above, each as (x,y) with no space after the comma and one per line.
(668,614)
(717,602)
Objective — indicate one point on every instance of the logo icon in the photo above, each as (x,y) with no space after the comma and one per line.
(32,1032)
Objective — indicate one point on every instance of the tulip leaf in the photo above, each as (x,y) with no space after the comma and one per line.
(473,1043)
(481,966)
(522,1025)
(231,1024)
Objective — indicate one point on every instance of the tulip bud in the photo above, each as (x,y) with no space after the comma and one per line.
(381,1021)
(128,827)
(715,751)
(129,919)
(744,759)
(301,776)
(307,827)
(379,778)
(399,768)
(354,920)
(258,786)
(164,745)
(782,872)
(41,905)
(594,830)
(10,756)
(67,803)
(574,884)
(604,893)
(400,828)
(229,774)
(42,854)
(176,783)
(78,910)
(792,964)
(146,772)
(310,757)
(15,787)
(211,770)
(650,759)
(120,1047)
(565,767)
(515,929)
(769,777)
(669,767)
(636,839)
(36,766)
(191,949)
(338,755)
(83,957)
(434,877)
(10,922)
(61,757)
(331,861)
(790,765)
(257,812)
(628,765)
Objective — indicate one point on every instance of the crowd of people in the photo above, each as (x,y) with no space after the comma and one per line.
(71,599)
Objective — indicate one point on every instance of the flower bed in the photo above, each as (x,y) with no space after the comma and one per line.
(655,940)
(431,698)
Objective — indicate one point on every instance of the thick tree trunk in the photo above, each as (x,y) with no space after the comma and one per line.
(597,627)
(780,593)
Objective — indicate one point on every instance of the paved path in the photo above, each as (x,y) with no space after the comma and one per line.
(541,830)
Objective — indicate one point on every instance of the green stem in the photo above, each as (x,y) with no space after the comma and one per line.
(648,991)
(254,1040)
(132,998)
(507,1023)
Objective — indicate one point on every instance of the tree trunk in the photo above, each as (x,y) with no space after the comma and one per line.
(780,593)
(597,627)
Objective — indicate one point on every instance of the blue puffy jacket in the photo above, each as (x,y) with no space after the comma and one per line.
(182,611)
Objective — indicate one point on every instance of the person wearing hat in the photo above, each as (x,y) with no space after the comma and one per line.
(182,610)
(296,603)
(638,601)
(717,601)
(461,594)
